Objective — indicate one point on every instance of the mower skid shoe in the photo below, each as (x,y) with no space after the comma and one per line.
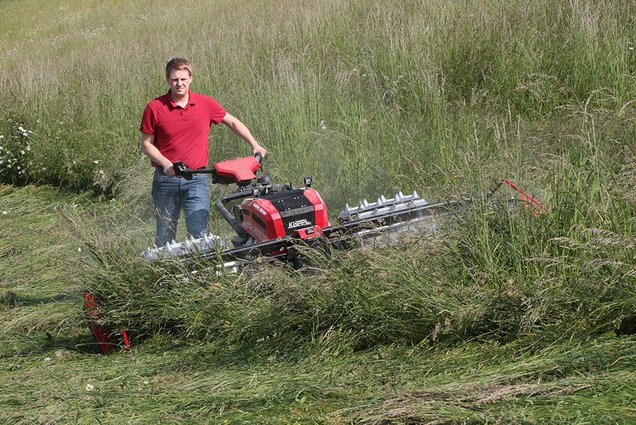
(106,340)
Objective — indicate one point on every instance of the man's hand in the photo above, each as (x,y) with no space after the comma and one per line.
(261,150)
(169,170)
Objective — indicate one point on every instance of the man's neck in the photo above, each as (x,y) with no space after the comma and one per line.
(180,100)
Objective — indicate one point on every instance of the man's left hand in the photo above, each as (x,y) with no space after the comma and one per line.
(261,150)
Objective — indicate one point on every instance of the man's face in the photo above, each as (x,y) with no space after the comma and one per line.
(179,82)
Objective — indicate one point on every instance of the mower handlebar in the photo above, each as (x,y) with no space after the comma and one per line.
(181,168)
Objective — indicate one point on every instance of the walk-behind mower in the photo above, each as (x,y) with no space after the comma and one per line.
(278,220)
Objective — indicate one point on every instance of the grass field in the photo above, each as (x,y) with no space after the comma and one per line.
(503,318)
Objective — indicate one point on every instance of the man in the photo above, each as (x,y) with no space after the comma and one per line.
(176,127)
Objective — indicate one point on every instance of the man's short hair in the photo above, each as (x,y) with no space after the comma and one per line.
(177,64)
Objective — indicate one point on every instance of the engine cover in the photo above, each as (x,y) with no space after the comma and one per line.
(281,214)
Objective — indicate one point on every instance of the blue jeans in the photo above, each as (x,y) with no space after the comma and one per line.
(171,195)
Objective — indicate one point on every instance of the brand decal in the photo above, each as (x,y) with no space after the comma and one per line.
(298,223)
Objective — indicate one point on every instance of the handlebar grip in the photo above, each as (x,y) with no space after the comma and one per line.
(259,157)
(181,170)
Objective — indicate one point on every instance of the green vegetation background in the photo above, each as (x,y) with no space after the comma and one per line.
(506,318)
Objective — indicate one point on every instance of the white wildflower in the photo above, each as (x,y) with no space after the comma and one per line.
(89,387)
(22,152)
(5,212)
(96,162)
(323,126)
(47,359)
(79,249)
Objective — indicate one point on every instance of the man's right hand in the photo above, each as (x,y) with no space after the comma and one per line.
(169,170)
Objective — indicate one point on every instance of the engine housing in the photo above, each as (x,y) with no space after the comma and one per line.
(283,213)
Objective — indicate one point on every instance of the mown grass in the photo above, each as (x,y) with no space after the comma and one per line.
(501,317)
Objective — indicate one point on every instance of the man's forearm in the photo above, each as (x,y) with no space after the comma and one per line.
(244,133)
(150,150)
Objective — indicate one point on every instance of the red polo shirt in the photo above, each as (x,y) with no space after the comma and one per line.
(181,134)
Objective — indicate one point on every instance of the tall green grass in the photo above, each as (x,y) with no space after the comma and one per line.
(377,96)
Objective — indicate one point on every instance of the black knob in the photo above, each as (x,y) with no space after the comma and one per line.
(264,180)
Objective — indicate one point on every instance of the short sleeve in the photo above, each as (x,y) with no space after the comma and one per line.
(148,122)
(217,112)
